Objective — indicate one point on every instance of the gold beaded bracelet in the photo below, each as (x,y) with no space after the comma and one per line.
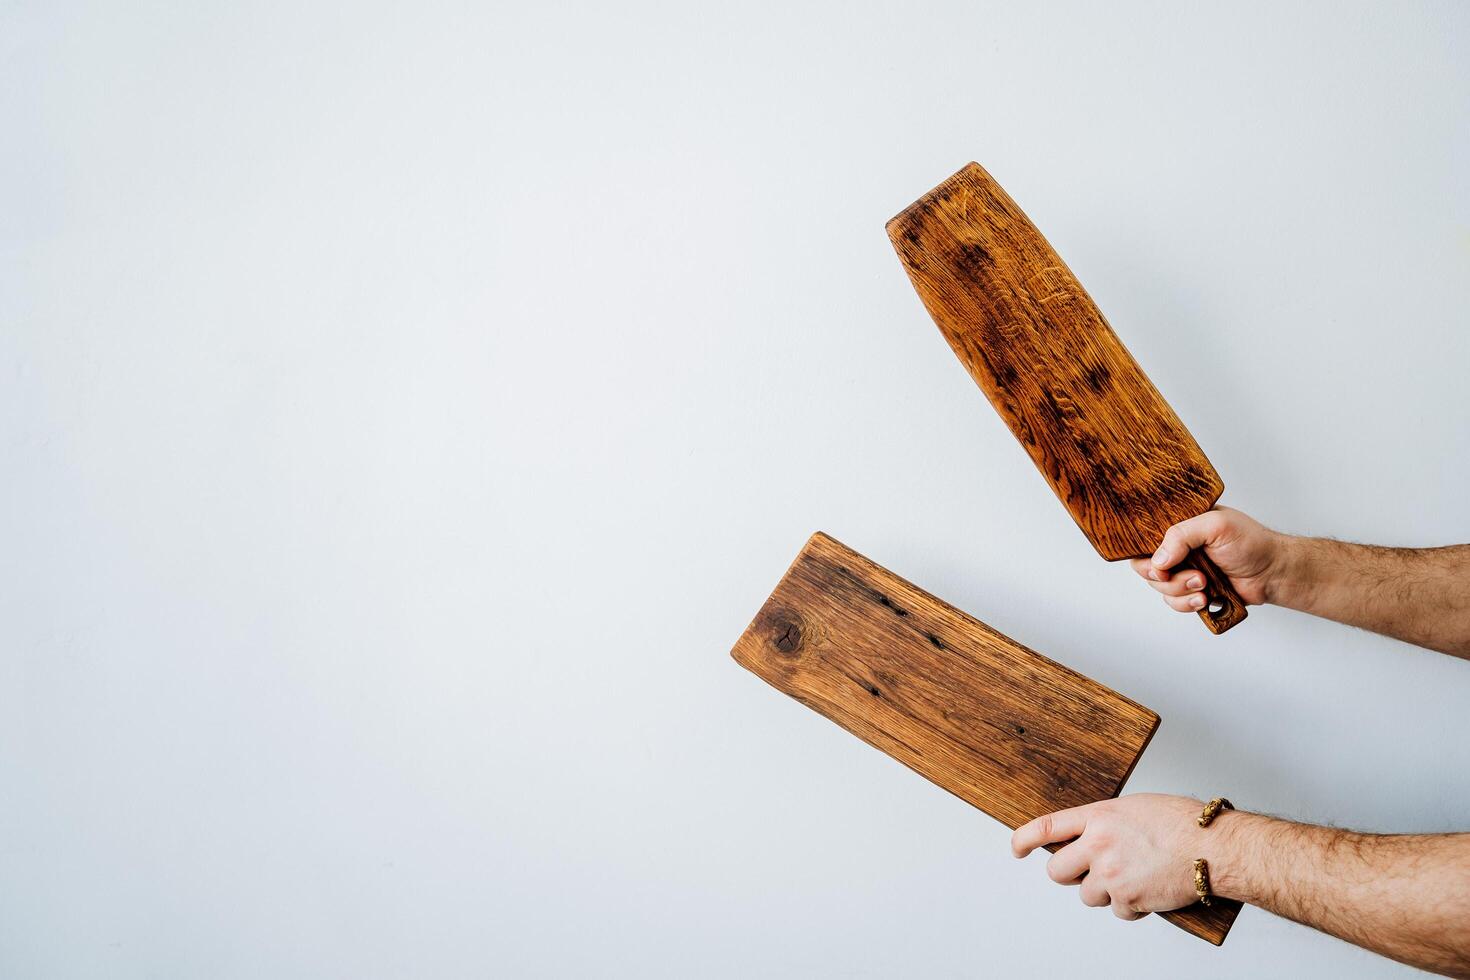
(1201,867)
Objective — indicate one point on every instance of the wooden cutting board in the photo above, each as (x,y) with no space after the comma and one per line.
(1112,449)
(998,725)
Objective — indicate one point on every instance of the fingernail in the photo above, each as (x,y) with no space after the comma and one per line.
(1197,601)
(1160,557)
(1196,582)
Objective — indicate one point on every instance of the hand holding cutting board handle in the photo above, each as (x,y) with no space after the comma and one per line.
(1220,606)
(1418,595)
(1241,552)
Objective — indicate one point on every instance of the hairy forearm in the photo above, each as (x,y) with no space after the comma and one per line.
(1405,896)
(1419,595)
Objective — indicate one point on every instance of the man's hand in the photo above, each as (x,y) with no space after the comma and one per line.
(1405,896)
(1419,595)
(1135,853)
(1251,554)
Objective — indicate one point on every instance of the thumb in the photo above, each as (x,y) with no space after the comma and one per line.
(1185,536)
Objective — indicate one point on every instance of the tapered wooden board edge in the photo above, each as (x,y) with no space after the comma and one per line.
(1211,924)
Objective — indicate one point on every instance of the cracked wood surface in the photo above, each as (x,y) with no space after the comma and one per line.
(996,724)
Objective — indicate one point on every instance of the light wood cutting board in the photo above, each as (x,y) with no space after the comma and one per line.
(998,725)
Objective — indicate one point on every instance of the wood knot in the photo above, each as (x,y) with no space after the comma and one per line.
(786,635)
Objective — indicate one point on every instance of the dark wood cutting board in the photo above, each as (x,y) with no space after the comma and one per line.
(998,725)
(1112,449)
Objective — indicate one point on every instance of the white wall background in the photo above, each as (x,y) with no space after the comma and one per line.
(405,407)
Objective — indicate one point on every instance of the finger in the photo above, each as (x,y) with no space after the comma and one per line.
(1050,828)
(1127,913)
(1067,866)
(1146,569)
(1094,895)
(1185,536)
(1191,603)
(1179,583)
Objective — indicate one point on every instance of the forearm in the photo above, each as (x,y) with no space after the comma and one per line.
(1407,897)
(1419,595)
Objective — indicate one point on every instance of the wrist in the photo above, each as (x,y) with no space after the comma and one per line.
(1229,844)
(1292,579)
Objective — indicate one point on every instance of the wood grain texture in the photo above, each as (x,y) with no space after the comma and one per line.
(1111,447)
(998,725)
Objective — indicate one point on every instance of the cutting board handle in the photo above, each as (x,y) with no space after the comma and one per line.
(1224,607)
